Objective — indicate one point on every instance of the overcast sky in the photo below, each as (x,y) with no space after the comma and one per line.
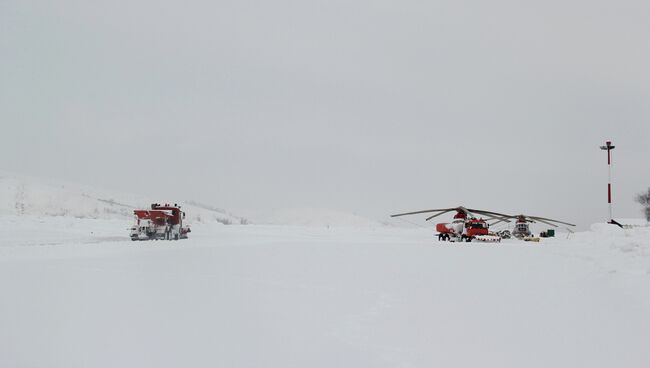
(371,107)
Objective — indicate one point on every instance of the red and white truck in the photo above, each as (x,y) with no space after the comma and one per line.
(161,222)
(466,229)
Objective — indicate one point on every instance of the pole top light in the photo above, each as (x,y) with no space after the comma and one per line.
(608,146)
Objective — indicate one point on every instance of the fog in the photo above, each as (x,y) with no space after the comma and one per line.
(370,107)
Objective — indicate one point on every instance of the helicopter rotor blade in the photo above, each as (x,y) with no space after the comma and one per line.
(546,222)
(551,220)
(490,212)
(495,215)
(441,213)
(499,221)
(500,217)
(423,211)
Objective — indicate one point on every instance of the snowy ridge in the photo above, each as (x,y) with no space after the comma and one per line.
(21,195)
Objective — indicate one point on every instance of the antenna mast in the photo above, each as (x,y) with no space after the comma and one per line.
(609,147)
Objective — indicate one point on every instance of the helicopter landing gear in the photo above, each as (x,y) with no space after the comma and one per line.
(465,238)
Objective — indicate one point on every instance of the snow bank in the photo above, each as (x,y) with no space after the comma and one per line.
(611,249)
(624,239)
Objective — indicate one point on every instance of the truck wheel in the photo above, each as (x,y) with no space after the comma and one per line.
(468,239)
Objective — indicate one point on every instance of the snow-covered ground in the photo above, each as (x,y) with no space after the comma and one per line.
(315,217)
(78,293)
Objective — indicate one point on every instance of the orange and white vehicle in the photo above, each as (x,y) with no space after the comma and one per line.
(158,223)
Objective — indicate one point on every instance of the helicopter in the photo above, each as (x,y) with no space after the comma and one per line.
(522,224)
(466,225)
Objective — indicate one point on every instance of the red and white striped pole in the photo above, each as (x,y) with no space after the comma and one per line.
(608,147)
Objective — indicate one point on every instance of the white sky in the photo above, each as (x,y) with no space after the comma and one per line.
(369,107)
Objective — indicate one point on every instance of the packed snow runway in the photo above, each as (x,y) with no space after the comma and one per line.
(78,293)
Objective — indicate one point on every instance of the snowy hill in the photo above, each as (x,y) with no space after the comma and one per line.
(21,195)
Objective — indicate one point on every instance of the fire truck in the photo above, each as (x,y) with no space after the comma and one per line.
(466,229)
(161,222)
